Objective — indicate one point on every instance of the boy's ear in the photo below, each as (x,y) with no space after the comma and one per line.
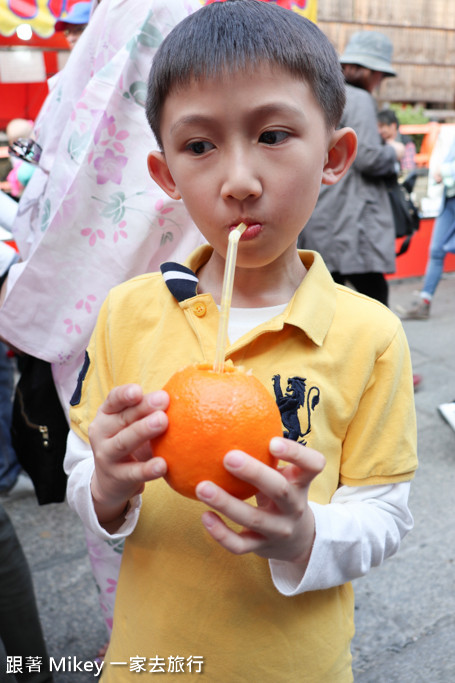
(159,171)
(340,155)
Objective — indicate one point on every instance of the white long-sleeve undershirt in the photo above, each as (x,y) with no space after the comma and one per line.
(357,530)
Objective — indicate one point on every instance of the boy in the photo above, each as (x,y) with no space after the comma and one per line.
(244,99)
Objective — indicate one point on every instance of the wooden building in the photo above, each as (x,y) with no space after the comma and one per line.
(423,35)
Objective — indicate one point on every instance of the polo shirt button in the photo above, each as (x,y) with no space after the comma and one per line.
(200,309)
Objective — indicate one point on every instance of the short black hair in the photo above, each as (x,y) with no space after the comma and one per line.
(388,117)
(238,34)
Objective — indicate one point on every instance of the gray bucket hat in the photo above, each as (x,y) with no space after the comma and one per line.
(370,49)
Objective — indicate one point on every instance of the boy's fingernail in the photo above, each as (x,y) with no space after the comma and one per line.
(158,468)
(208,519)
(277,446)
(156,420)
(205,490)
(130,393)
(157,399)
(234,459)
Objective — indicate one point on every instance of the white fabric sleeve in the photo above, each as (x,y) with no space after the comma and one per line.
(79,465)
(360,528)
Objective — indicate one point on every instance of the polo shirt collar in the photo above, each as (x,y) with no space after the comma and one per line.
(311,309)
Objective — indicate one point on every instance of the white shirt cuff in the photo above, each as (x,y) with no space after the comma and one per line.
(358,530)
(79,465)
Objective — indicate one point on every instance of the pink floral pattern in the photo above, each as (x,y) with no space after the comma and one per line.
(71,325)
(86,303)
(112,586)
(109,167)
(93,235)
(105,559)
(121,232)
(162,211)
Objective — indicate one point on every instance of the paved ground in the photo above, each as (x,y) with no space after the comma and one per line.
(405,612)
(406,609)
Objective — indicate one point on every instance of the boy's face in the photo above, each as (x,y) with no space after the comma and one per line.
(245,147)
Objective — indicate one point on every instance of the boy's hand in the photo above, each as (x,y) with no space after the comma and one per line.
(282,526)
(120,439)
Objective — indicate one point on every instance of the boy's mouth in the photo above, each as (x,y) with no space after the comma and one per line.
(251,232)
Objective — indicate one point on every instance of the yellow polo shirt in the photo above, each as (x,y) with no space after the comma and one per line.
(338,365)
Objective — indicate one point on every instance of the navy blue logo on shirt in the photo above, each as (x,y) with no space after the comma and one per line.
(76,397)
(295,398)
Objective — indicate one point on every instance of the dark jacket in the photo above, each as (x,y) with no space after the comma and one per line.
(352,225)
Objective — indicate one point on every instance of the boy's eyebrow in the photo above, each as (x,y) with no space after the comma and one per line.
(191,119)
(260,111)
(276,108)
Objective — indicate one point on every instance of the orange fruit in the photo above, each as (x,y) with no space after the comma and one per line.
(211,413)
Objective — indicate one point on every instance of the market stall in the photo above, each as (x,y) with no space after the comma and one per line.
(30,53)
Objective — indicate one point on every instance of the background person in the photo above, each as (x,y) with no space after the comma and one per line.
(388,125)
(21,636)
(352,225)
(75,22)
(13,483)
(10,468)
(442,240)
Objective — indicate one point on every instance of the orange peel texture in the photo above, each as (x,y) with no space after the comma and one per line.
(211,413)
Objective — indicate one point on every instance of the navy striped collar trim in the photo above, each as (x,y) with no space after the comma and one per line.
(180,280)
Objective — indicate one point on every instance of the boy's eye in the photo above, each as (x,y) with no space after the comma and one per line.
(273,137)
(199,147)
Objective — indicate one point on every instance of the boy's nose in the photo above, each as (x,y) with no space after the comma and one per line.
(241,180)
